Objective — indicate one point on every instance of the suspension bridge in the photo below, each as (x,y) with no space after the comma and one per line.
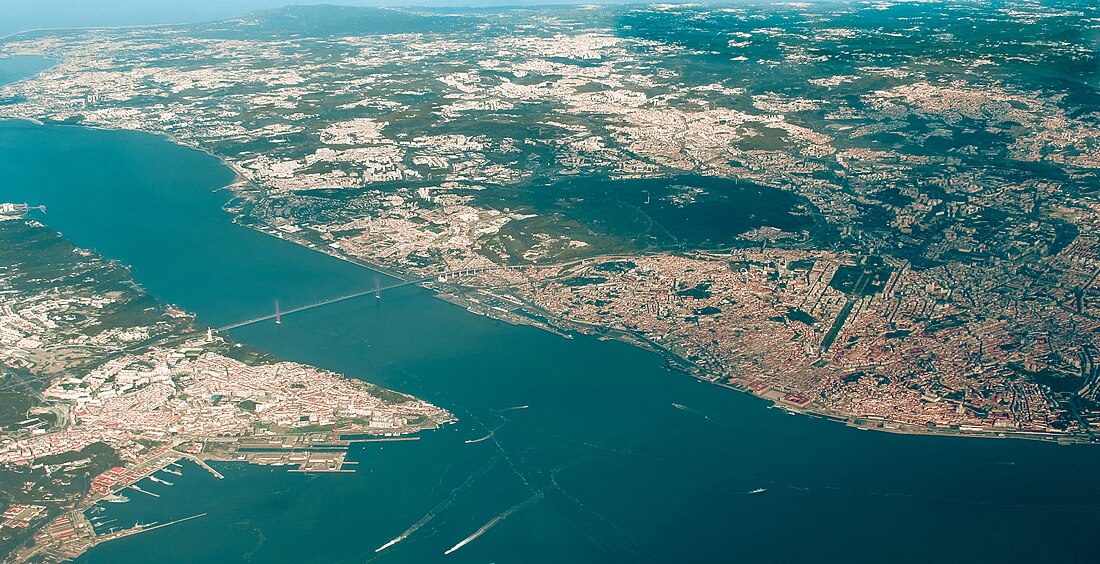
(442,277)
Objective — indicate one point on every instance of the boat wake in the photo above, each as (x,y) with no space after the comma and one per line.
(443,505)
(493,522)
(682,407)
(491,434)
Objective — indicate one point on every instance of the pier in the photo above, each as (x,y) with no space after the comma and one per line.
(354,439)
(141,529)
(205,466)
(146,492)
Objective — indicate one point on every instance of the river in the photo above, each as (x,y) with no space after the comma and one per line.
(602,466)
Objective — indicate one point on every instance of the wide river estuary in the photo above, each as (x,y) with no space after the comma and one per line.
(600,467)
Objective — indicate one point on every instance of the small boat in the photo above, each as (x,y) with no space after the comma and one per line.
(683,407)
(485,438)
(758,490)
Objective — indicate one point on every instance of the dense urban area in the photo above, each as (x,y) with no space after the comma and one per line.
(103,386)
(884,214)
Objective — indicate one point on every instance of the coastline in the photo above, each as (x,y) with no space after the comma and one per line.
(241,187)
(14,34)
(673,361)
(564,169)
(312,449)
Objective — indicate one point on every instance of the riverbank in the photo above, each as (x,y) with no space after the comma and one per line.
(536,316)
(600,431)
(246,192)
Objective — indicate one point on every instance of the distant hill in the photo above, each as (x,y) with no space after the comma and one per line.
(329,20)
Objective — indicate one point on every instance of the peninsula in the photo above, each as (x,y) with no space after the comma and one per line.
(104,385)
(896,242)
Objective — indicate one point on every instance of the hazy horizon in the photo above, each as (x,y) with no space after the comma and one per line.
(21,15)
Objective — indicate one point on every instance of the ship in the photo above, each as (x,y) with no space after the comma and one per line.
(146,492)
(116,499)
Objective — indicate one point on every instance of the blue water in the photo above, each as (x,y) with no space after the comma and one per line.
(616,472)
(19,15)
(19,67)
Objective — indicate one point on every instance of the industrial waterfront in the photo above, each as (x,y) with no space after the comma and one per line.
(614,457)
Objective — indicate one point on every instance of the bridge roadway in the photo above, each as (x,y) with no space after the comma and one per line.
(367,292)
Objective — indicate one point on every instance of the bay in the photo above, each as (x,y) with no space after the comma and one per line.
(601,466)
(20,67)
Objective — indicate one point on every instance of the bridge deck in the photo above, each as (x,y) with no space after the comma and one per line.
(361,294)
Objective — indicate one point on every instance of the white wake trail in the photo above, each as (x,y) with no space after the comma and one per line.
(492,522)
(442,505)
